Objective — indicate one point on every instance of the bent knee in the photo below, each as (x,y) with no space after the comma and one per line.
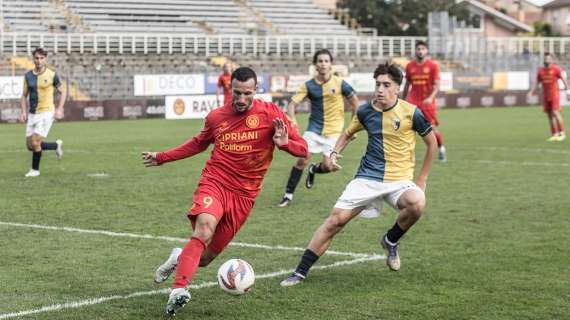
(335,222)
(417,208)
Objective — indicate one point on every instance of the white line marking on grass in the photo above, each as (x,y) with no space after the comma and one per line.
(525,163)
(89,302)
(172,239)
(538,150)
(98,175)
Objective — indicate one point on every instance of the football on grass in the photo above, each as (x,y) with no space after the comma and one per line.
(236,276)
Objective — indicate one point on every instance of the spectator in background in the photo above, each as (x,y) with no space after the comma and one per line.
(224,82)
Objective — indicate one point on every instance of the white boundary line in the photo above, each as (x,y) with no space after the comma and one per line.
(171,239)
(489,148)
(94,301)
(538,150)
(524,163)
(359,257)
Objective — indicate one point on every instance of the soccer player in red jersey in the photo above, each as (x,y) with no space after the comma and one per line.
(548,76)
(224,82)
(244,134)
(422,75)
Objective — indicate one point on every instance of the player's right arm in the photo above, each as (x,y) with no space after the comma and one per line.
(220,85)
(344,140)
(291,111)
(534,86)
(407,85)
(295,101)
(191,147)
(24,102)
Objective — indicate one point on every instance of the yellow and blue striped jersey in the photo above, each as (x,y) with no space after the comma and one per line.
(327,104)
(40,89)
(390,153)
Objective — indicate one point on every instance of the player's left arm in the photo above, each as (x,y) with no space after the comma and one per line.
(349,93)
(425,130)
(565,82)
(286,137)
(58,84)
(431,148)
(436,82)
(343,141)
(354,102)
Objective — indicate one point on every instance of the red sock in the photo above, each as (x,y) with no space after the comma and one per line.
(560,127)
(439,138)
(188,262)
(553,128)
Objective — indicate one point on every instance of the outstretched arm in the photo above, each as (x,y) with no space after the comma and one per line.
(191,147)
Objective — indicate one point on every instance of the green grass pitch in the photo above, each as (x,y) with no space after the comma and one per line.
(492,245)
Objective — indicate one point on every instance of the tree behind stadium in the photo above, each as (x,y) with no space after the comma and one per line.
(399,17)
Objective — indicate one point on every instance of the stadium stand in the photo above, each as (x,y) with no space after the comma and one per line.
(227,17)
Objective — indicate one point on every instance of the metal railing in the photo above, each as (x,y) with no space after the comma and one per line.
(136,43)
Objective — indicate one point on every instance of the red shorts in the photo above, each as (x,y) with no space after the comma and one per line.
(551,105)
(431,115)
(231,211)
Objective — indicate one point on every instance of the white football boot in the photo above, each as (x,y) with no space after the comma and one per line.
(32,173)
(59,149)
(178,298)
(163,272)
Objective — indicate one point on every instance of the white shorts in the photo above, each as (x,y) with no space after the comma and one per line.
(319,144)
(370,194)
(39,123)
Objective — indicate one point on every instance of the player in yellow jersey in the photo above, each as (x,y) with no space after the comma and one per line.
(386,170)
(38,109)
(326,92)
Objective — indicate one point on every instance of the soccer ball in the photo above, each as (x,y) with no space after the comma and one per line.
(236,276)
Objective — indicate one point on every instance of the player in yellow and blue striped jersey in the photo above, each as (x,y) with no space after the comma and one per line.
(38,109)
(386,170)
(326,93)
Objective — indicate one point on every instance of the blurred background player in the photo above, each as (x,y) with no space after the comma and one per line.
(422,74)
(385,173)
(244,134)
(548,76)
(39,110)
(326,93)
(224,84)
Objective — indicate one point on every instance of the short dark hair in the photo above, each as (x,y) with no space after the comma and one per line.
(319,52)
(421,43)
(41,51)
(548,54)
(392,70)
(242,74)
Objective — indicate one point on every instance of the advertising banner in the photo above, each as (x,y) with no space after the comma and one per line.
(169,84)
(195,107)
(361,82)
(11,87)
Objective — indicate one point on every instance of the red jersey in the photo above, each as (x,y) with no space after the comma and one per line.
(549,76)
(243,146)
(225,81)
(422,78)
